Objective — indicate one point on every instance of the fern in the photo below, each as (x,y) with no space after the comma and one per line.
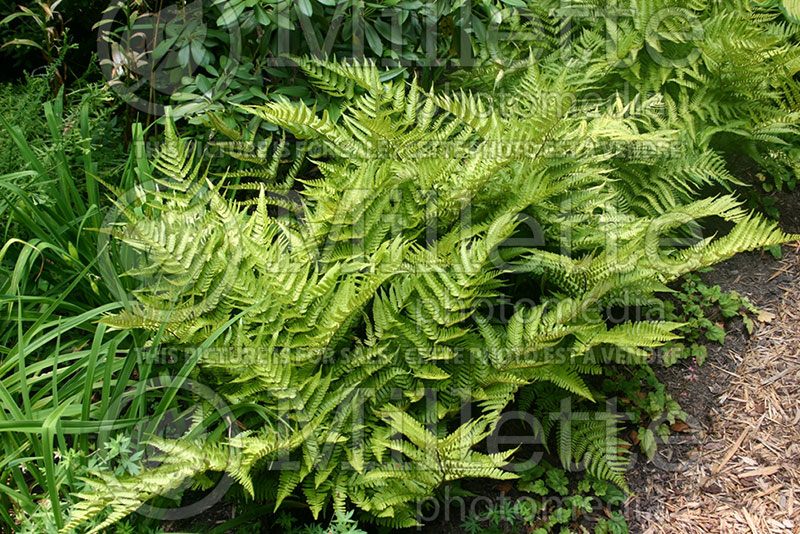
(362,311)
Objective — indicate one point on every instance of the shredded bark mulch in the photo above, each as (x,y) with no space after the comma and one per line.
(737,467)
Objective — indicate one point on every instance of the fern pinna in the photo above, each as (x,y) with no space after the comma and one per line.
(353,316)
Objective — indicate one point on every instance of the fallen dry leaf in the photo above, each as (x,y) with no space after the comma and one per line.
(679,426)
(764,316)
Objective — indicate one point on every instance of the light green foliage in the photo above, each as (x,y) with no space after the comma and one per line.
(353,306)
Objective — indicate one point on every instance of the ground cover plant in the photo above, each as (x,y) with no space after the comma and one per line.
(341,299)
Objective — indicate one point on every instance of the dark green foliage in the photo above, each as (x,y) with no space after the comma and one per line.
(22,105)
(70,46)
(239,51)
(544,511)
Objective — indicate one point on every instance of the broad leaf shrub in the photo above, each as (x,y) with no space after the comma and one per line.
(214,53)
(351,319)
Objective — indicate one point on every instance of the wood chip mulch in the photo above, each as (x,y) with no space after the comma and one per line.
(744,471)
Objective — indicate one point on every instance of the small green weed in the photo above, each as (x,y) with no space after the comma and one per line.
(559,506)
(704,311)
